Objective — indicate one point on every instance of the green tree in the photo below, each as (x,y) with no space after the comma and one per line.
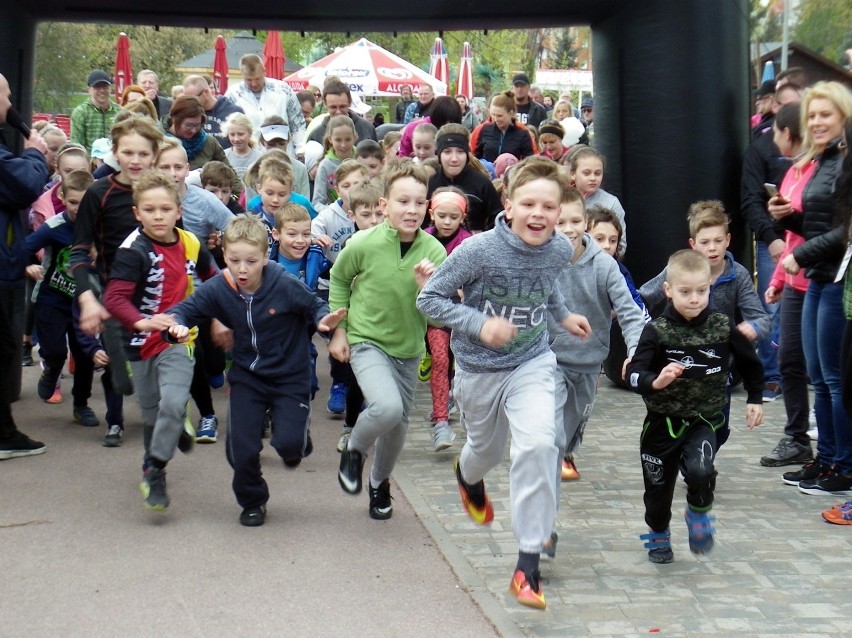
(824,26)
(565,56)
(65,53)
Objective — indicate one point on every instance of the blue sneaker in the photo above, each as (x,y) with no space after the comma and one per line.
(206,432)
(701,530)
(659,546)
(337,398)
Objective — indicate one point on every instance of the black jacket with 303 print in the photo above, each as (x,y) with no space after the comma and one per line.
(704,346)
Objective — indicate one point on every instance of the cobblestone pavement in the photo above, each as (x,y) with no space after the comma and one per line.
(778,569)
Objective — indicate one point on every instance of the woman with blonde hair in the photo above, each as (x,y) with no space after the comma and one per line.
(824,110)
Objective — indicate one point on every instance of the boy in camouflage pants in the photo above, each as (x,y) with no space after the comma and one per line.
(681,369)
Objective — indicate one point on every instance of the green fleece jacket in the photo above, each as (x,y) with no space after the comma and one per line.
(378,287)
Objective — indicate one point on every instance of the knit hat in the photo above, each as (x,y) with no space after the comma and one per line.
(452,140)
(503,163)
(551,128)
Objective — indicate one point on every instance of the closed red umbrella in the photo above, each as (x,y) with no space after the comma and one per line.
(220,67)
(123,68)
(465,82)
(440,65)
(273,56)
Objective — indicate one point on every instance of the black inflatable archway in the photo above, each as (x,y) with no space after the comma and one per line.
(671,82)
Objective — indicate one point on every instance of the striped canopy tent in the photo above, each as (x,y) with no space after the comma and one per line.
(367,69)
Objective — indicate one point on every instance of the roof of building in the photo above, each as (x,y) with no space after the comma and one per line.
(235,48)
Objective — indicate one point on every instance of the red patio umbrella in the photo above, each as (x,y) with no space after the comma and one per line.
(440,65)
(465,81)
(123,68)
(273,56)
(220,67)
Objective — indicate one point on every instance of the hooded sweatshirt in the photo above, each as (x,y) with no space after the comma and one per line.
(593,287)
(500,276)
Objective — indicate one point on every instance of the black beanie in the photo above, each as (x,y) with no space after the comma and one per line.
(452,140)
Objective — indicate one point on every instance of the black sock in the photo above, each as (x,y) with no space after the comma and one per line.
(151,461)
(528,563)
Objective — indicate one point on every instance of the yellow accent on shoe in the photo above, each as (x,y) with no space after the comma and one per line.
(523,591)
(479,515)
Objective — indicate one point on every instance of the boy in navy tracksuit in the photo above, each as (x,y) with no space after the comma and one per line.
(53,298)
(269,312)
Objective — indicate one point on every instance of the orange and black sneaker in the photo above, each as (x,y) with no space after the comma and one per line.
(475,500)
(569,470)
(527,589)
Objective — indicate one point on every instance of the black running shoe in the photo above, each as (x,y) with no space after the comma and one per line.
(47,382)
(351,468)
(253,516)
(380,501)
(153,488)
(809,472)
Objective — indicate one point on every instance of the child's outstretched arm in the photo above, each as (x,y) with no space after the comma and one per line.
(756,322)
(641,375)
(331,320)
(436,298)
(749,366)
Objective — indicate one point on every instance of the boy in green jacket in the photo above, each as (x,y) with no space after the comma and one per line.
(383,334)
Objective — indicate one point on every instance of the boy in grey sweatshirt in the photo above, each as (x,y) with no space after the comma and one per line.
(506,370)
(593,286)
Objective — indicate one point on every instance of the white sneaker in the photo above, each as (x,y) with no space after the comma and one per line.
(343,441)
(443,436)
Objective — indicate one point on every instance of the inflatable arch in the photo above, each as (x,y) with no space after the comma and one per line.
(671,83)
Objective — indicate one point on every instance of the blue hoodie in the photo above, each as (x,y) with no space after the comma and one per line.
(22,180)
(269,326)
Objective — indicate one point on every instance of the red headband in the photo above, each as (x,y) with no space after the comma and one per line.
(449,197)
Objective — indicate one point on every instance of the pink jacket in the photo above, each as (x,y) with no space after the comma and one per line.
(792,187)
(45,207)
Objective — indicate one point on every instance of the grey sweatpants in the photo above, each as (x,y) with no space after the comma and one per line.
(575,398)
(521,401)
(388,386)
(162,388)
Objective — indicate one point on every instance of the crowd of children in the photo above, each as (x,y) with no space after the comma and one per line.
(514,288)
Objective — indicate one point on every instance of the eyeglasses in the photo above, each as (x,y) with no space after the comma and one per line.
(190,126)
(318,95)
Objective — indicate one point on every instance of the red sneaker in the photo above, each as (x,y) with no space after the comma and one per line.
(480,514)
(528,590)
(56,397)
(569,470)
